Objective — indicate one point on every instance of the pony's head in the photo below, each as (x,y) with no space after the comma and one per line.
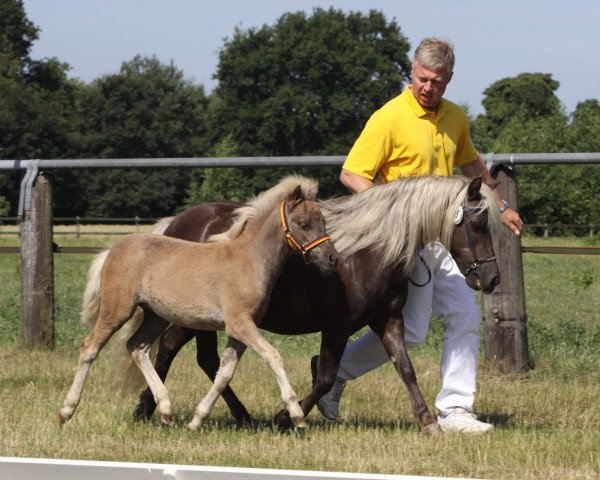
(304,227)
(303,223)
(475,218)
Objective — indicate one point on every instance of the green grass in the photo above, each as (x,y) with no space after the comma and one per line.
(547,421)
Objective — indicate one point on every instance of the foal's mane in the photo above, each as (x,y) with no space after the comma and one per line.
(265,202)
(399,218)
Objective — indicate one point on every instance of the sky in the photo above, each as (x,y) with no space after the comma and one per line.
(493,39)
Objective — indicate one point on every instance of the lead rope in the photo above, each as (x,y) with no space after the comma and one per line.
(428,274)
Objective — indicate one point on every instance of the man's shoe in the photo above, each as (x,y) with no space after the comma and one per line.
(463,421)
(328,404)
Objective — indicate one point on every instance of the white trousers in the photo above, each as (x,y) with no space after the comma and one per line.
(448,296)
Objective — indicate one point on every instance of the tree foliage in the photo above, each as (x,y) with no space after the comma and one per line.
(524,115)
(306,86)
(146,110)
(17,34)
(36,98)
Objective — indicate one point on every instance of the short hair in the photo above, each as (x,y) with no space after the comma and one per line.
(435,54)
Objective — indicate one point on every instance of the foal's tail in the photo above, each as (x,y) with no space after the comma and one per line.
(127,377)
(91,296)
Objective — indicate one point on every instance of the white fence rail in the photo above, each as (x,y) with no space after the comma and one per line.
(49,469)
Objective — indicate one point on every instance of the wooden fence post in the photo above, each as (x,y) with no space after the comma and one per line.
(37,267)
(504,317)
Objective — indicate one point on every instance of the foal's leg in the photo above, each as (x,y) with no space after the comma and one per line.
(139,346)
(391,332)
(245,330)
(171,342)
(90,348)
(229,361)
(207,357)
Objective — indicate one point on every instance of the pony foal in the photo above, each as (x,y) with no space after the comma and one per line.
(221,285)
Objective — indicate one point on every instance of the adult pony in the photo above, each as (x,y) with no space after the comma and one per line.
(379,234)
(224,284)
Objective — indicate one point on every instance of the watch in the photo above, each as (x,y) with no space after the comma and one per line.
(505,206)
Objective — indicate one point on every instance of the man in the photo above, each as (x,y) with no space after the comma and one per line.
(420,133)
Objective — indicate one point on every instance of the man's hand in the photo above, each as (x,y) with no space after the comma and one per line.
(510,218)
(513,221)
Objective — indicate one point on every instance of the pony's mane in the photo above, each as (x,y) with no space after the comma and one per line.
(399,218)
(265,202)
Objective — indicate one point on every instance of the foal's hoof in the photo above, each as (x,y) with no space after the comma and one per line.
(61,420)
(282,420)
(432,429)
(301,428)
(167,419)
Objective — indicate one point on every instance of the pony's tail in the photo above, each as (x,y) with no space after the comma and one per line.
(90,308)
(126,375)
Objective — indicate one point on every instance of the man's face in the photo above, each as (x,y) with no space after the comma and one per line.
(429,85)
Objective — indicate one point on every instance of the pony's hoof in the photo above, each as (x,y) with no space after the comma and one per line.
(167,419)
(282,420)
(193,426)
(301,428)
(432,429)
(246,423)
(61,420)
(301,425)
(142,412)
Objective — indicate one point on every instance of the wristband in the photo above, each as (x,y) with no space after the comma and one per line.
(505,206)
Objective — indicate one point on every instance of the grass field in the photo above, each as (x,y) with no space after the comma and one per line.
(547,421)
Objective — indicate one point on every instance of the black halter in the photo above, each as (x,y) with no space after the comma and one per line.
(476,263)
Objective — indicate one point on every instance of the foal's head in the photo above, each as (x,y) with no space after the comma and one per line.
(472,246)
(304,227)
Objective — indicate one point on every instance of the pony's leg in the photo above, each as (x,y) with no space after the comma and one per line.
(248,333)
(229,361)
(207,357)
(90,348)
(171,342)
(332,348)
(139,346)
(391,332)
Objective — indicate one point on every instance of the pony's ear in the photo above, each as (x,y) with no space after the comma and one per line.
(474,188)
(296,196)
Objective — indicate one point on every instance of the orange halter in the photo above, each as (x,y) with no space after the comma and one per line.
(293,242)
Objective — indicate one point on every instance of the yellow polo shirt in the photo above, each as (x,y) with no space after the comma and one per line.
(402,139)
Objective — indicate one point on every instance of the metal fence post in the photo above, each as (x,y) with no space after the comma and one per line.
(504,318)
(37,267)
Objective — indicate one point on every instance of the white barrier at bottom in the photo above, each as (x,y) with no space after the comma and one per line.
(12,468)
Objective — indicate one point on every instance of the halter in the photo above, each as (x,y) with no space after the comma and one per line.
(293,242)
(458,219)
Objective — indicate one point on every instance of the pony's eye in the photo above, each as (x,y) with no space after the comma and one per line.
(305,226)
(480,226)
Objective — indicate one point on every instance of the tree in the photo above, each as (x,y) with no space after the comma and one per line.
(516,100)
(36,98)
(524,115)
(17,34)
(584,130)
(146,110)
(307,84)
(209,184)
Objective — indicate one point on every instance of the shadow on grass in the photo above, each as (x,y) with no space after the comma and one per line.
(506,421)
(217,423)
